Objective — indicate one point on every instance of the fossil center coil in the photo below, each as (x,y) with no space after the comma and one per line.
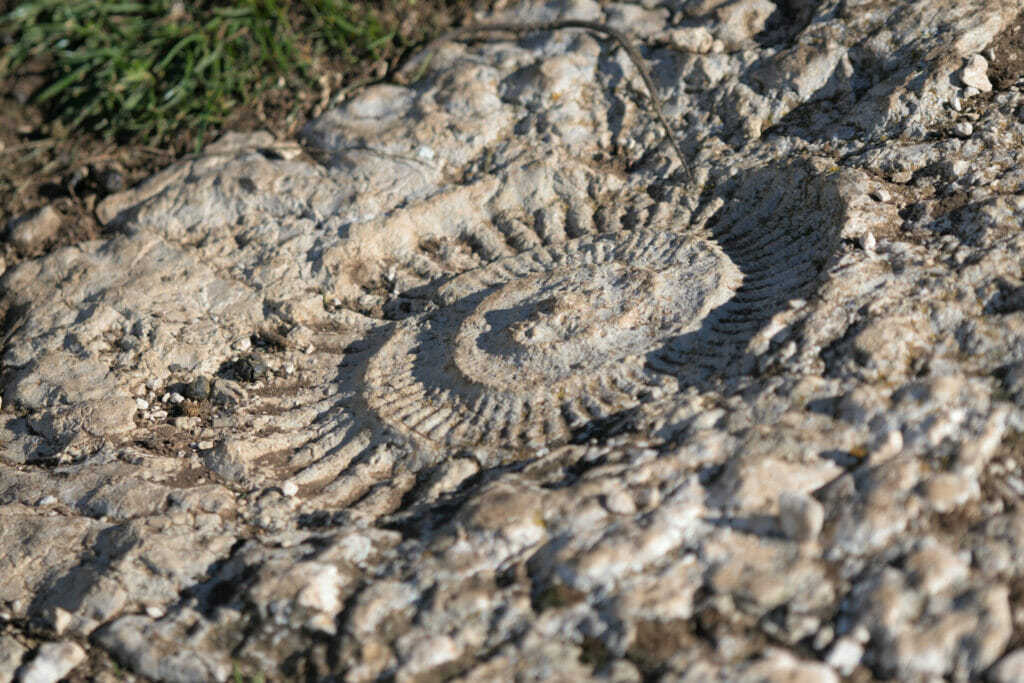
(529,347)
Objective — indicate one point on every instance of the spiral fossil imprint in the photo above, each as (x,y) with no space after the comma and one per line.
(534,345)
(530,347)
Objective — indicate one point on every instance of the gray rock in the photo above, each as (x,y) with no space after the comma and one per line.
(975,74)
(964,129)
(11,654)
(34,230)
(1009,668)
(800,516)
(198,389)
(154,649)
(740,20)
(533,402)
(845,654)
(51,663)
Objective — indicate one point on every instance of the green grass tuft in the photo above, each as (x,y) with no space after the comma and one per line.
(142,70)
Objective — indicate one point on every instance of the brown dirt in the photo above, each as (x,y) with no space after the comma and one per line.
(41,162)
(1008,47)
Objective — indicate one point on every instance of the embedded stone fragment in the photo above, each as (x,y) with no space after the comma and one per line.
(52,662)
(32,231)
(11,654)
(800,516)
(975,74)
(740,20)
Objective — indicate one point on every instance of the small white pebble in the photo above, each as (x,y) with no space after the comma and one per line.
(309,349)
(824,637)
(61,620)
(881,195)
(975,74)
(845,655)
(204,445)
(290,488)
(142,404)
(46,500)
(289,368)
(166,397)
(964,129)
(158,415)
(243,344)
(176,398)
(185,422)
(955,103)
(425,153)
(789,349)
(154,612)
(867,242)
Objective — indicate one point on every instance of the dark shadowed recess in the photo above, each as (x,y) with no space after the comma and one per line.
(789,19)
(781,226)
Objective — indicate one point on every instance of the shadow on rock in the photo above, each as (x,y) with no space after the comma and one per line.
(780,226)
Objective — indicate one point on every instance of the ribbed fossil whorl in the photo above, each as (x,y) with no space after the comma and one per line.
(531,346)
(780,226)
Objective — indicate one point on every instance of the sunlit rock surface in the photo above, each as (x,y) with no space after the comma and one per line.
(475,380)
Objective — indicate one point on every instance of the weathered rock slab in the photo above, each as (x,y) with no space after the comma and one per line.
(476,381)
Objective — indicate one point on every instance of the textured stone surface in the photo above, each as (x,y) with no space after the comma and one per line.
(11,654)
(473,381)
(51,663)
(33,230)
(529,348)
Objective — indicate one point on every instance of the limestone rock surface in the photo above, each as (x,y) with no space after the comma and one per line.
(475,380)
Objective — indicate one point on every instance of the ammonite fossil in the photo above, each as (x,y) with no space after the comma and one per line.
(531,346)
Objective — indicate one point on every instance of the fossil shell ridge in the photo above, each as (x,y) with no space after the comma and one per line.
(531,346)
